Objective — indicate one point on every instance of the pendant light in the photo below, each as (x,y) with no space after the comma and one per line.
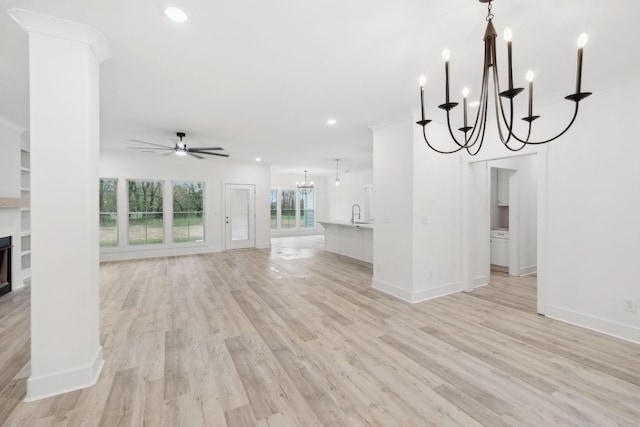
(337,182)
(303,187)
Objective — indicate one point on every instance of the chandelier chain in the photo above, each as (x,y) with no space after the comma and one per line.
(489,14)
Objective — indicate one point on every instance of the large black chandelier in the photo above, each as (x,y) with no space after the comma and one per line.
(474,135)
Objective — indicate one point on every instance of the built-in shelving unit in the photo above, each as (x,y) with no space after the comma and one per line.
(25,212)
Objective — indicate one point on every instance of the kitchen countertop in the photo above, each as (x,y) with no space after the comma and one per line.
(348,224)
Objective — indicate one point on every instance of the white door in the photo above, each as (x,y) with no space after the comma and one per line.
(240,216)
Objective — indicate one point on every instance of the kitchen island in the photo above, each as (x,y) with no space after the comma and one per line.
(354,240)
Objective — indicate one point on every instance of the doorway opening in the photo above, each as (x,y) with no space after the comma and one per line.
(507,199)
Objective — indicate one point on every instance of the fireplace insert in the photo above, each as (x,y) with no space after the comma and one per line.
(5,265)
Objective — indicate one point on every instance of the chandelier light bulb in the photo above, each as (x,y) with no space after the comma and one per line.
(507,34)
(582,40)
(423,80)
(530,76)
(446,54)
(465,92)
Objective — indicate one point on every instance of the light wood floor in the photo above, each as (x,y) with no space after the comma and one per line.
(297,337)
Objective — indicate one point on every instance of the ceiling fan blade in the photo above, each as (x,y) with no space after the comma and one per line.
(147,148)
(213,154)
(194,155)
(149,143)
(205,148)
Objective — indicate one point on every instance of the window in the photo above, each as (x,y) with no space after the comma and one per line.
(307,210)
(108,195)
(188,212)
(274,209)
(293,210)
(288,209)
(146,221)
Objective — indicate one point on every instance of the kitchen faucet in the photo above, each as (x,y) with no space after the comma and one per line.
(353,214)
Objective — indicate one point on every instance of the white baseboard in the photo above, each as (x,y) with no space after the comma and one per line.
(418,296)
(391,290)
(432,293)
(615,329)
(525,271)
(140,253)
(481,281)
(65,382)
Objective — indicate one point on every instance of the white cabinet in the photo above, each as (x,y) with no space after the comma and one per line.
(352,240)
(500,248)
(503,187)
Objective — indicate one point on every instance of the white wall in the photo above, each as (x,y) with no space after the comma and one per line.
(350,191)
(213,172)
(593,209)
(392,234)
(436,216)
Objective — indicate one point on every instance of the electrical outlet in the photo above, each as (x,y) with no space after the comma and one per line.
(631,305)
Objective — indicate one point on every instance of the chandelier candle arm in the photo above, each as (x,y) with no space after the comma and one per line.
(423,81)
(445,56)
(582,40)
(530,78)
(508,34)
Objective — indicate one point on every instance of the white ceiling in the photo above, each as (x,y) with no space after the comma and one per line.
(262,77)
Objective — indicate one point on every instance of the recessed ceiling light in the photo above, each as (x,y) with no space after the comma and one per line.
(474,104)
(258,159)
(176,14)
(332,122)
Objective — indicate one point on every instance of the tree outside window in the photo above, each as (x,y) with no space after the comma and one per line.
(188,212)
(146,219)
(274,209)
(108,198)
(288,209)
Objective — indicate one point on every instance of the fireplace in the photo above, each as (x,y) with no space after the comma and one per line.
(5,265)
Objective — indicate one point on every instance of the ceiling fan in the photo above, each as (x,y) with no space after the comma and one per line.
(180,149)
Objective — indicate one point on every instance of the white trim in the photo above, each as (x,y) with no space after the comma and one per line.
(391,290)
(526,271)
(615,329)
(65,382)
(433,293)
(480,281)
(39,23)
(147,252)
(418,296)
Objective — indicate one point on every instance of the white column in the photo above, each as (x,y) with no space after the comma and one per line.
(64,60)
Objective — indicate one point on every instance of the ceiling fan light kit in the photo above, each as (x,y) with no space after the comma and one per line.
(181,148)
(474,135)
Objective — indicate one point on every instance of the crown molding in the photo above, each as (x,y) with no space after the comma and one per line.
(33,22)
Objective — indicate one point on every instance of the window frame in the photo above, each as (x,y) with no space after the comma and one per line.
(161,212)
(297,210)
(116,213)
(173,213)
